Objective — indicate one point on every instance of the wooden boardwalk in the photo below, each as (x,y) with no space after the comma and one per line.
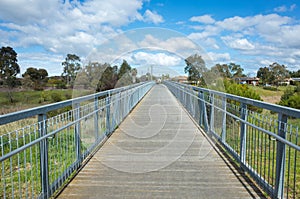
(158,152)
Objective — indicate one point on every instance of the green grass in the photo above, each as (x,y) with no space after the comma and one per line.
(267,93)
(29,99)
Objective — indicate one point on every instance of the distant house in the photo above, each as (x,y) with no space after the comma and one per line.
(247,80)
(181,79)
(288,81)
(296,79)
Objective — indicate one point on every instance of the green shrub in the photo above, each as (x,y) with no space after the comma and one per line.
(56,97)
(270,88)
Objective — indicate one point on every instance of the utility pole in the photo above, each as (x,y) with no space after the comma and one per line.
(151,72)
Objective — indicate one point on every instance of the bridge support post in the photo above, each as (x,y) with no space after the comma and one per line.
(108,128)
(223,134)
(77,134)
(243,134)
(280,158)
(212,114)
(203,114)
(45,192)
(96,118)
(200,109)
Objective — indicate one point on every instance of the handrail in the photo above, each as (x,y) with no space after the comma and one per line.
(265,148)
(7,118)
(261,104)
(56,147)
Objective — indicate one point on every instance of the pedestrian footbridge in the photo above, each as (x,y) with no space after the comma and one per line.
(151,140)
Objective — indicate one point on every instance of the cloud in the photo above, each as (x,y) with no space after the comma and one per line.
(220,57)
(281,9)
(177,44)
(284,8)
(238,43)
(152,17)
(206,19)
(159,59)
(62,27)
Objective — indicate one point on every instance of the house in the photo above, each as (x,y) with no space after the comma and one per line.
(287,81)
(180,79)
(296,79)
(247,80)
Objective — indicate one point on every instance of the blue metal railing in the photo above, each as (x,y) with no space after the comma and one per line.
(38,158)
(262,137)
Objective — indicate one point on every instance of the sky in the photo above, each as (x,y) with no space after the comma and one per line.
(157,33)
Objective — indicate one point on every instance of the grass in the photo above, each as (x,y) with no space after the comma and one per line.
(29,99)
(20,176)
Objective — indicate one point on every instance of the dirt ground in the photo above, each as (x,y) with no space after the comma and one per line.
(271,99)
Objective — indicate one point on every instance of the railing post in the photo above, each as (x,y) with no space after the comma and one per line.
(212,114)
(223,134)
(200,109)
(96,118)
(280,157)
(44,156)
(243,134)
(108,114)
(77,134)
(204,113)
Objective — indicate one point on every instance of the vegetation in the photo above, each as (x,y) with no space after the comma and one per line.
(36,76)
(72,65)
(274,74)
(291,97)
(29,99)
(230,70)
(195,67)
(9,68)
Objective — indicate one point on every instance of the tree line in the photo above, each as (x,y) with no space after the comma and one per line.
(197,71)
(221,77)
(95,75)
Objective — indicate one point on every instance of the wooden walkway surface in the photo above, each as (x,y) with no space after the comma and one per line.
(158,152)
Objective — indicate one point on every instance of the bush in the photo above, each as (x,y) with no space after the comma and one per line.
(244,91)
(270,88)
(56,97)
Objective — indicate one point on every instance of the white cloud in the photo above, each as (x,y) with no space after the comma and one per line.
(284,8)
(238,43)
(219,57)
(69,26)
(159,59)
(292,7)
(206,19)
(152,17)
(281,9)
(177,44)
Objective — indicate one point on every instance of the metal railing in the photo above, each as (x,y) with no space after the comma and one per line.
(37,159)
(263,138)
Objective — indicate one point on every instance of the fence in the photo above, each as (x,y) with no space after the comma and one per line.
(37,159)
(263,138)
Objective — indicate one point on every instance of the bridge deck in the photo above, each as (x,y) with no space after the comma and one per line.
(158,152)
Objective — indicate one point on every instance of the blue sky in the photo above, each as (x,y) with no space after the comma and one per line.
(250,33)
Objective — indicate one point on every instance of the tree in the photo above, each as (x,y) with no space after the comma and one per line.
(125,68)
(294,73)
(124,75)
(72,65)
(230,70)
(9,68)
(133,74)
(108,79)
(195,67)
(235,70)
(264,74)
(221,70)
(37,76)
(279,73)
